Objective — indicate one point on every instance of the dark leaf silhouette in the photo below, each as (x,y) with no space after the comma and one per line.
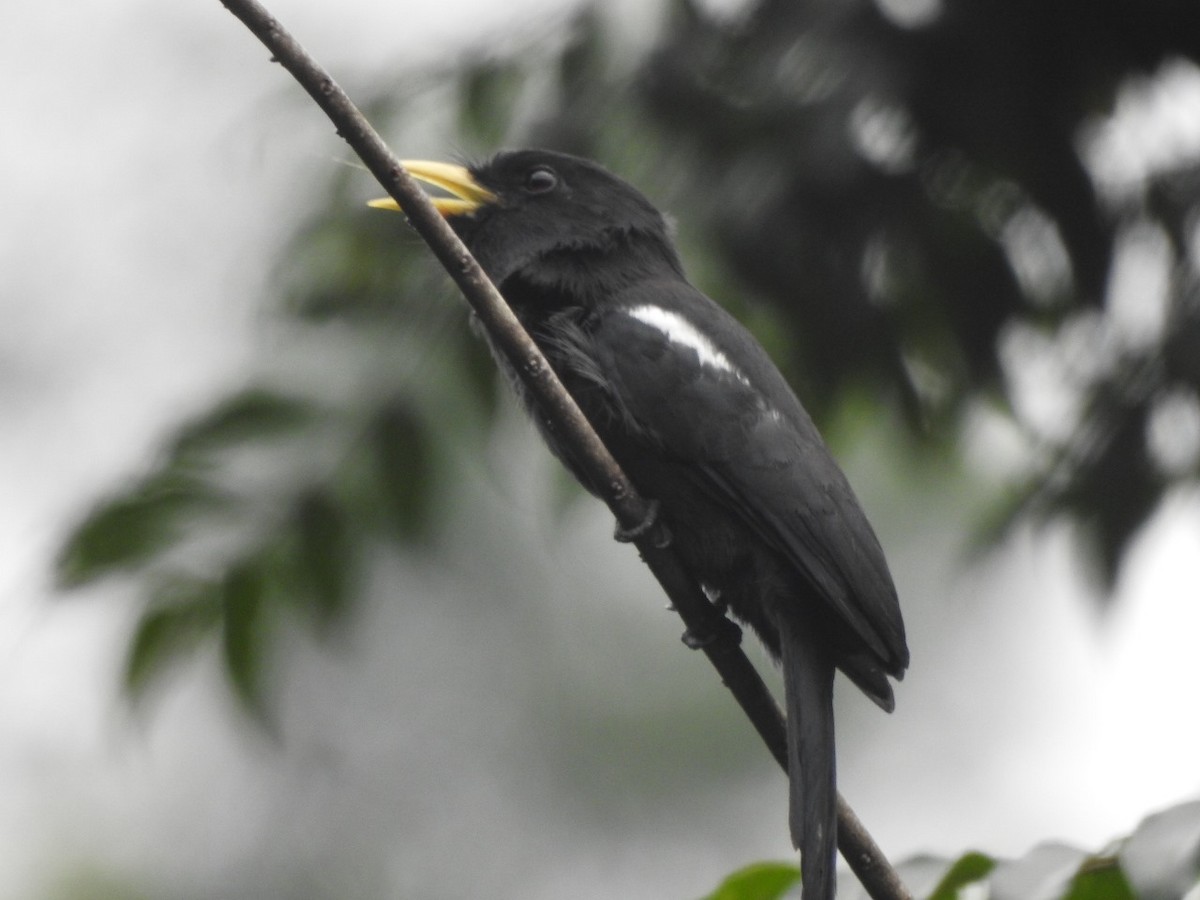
(405,460)
(244,603)
(969,868)
(183,612)
(130,530)
(325,556)
(253,415)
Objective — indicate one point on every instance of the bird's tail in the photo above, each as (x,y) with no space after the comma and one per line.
(808,684)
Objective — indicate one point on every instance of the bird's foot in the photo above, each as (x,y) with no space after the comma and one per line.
(723,630)
(641,529)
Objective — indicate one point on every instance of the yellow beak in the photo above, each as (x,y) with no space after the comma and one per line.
(468,193)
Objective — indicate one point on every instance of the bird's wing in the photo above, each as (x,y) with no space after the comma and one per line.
(697,385)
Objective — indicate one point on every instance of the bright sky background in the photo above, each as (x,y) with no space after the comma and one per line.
(139,184)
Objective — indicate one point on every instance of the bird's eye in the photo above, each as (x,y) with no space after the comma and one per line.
(541,180)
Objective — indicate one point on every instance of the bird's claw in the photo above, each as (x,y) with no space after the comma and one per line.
(644,527)
(724,630)
(694,642)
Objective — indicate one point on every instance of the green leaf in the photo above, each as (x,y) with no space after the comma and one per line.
(1100,878)
(127,531)
(969,868)
(405,458)
(481,375)
(758,881)
(243,599)
(253,414)
(326,551)
(185,611)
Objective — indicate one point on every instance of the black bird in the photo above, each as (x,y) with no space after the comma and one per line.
(702,421)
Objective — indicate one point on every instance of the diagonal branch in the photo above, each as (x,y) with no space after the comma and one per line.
(707,627)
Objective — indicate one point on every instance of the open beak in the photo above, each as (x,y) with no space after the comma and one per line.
(468,193)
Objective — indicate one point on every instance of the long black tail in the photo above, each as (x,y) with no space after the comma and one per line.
(808,683)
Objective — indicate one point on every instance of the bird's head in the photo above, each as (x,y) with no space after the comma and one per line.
(544,215)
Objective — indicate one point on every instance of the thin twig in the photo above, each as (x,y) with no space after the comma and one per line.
(707,627)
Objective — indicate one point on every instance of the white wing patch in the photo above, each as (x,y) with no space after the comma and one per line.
(683,333)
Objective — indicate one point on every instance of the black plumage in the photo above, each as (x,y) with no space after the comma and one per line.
(701,420)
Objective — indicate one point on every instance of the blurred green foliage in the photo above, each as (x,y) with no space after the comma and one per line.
(760,881)
(967,869)
(1102,880)
(1160,860)
(131,529)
